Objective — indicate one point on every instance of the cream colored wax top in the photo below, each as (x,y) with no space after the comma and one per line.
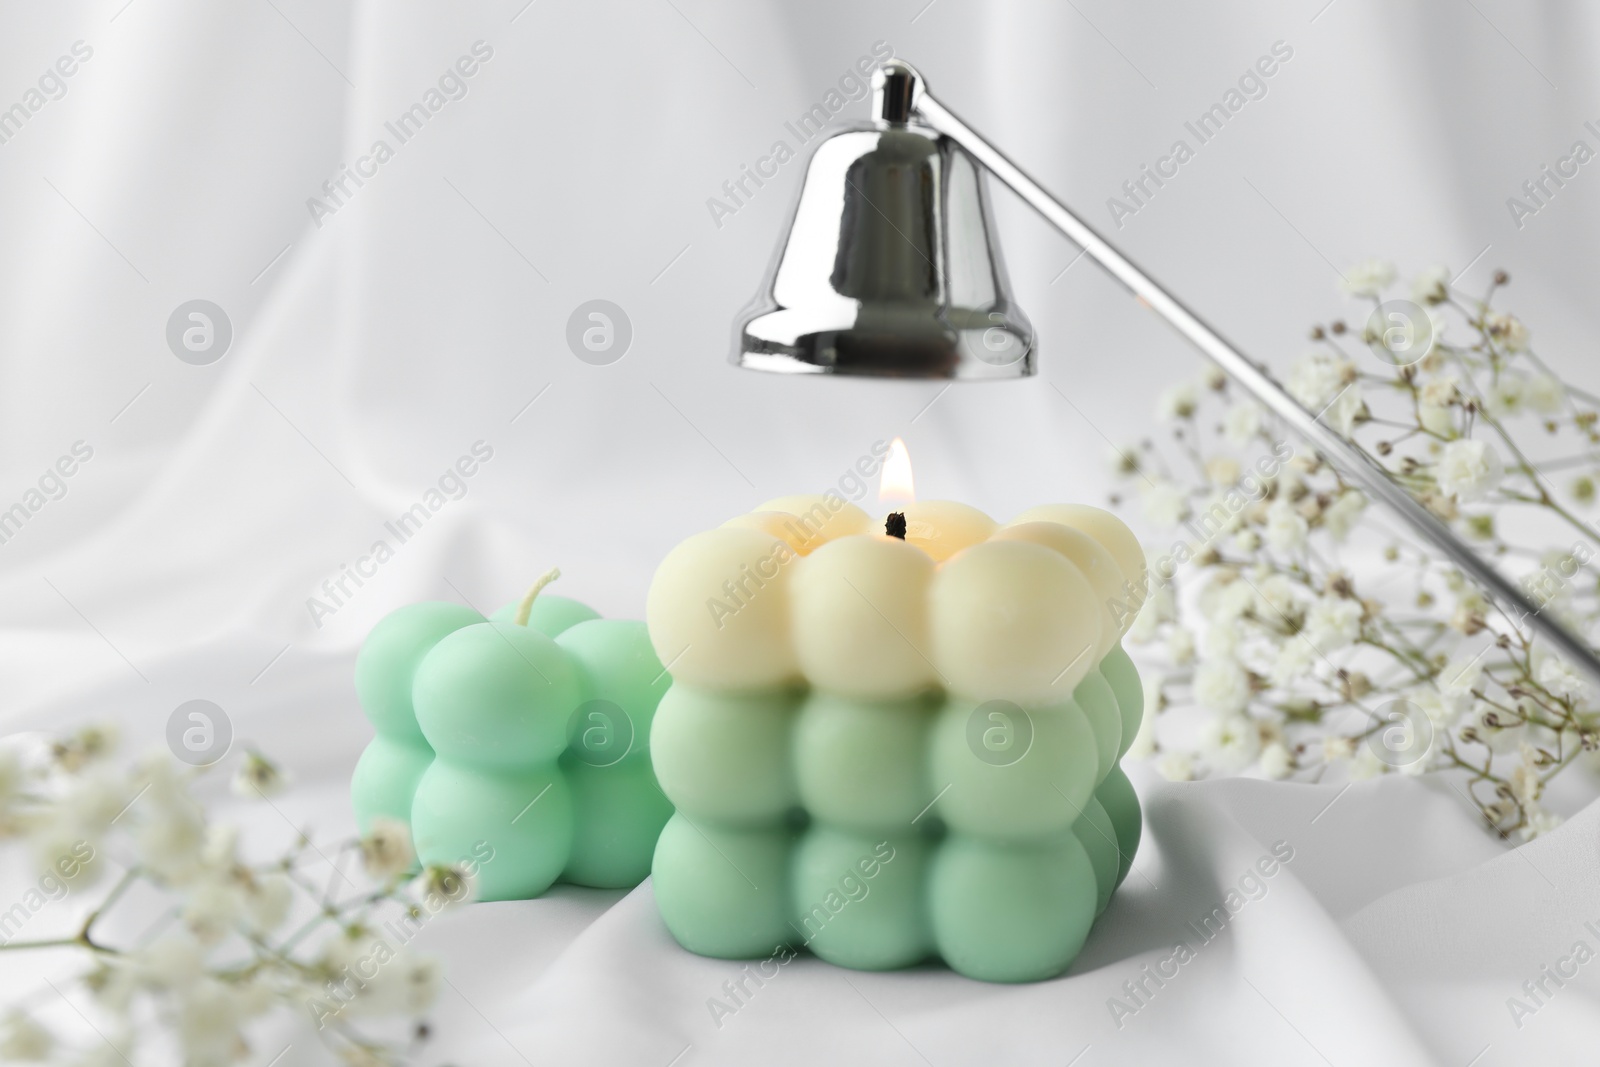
(810,589)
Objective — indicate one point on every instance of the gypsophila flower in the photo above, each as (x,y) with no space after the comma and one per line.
(1459,678)
(1222,685)
(1441,391)
(1180,646)
(1235,599)
(1230,743)
(1286,528)
(1124,461)
(1468,470)
(1276,760)
(22,1039)
(1443,708)
(1222,470)
(1218,517)
(1540,822)
(266,902)
(209,1024)
(1439,325)
(1408,738)
(83,747)
(1505,397)
(1176,402)
(1508,330)
(1277,591)
(1337,748)
(1497,730)
(1175,767)
(1295,657)
(1334,622)
(420,978)
(1342,410)
(1369,278)
(258,777)
(1525,782)
(113,985)
(1165,504)
(1365,765)
(1317,378)
(362,1056)
(1159,607)
(1290,484)
(1144,628)
(1560,679)
(1343,514)
(171,828)
(447,885)
(1544,394)
(1222,639)
(1437,420)
(1144,740)
(13,782)
(1432,285)
(1241,424)
(213,910)
(172,962)
(219,851)
(386,849)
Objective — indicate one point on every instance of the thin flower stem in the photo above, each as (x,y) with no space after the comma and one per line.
(83,938)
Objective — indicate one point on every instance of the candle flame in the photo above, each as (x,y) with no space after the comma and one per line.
(895,485)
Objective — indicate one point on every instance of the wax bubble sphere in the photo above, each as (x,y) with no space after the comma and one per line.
(518,750)
(892,749)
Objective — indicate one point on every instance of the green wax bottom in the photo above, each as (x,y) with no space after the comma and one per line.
(882,834)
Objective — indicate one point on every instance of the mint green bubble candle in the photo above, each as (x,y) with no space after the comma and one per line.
(897,739)
(522,738)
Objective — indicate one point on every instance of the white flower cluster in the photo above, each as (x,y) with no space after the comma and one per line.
(1274,631)
(234,939)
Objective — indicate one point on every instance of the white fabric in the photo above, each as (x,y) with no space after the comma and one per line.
(425,314)
(1396,934)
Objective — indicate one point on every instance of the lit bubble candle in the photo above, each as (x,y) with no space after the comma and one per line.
(893,738)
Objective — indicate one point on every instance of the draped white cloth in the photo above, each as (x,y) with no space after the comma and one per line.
(382,328)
